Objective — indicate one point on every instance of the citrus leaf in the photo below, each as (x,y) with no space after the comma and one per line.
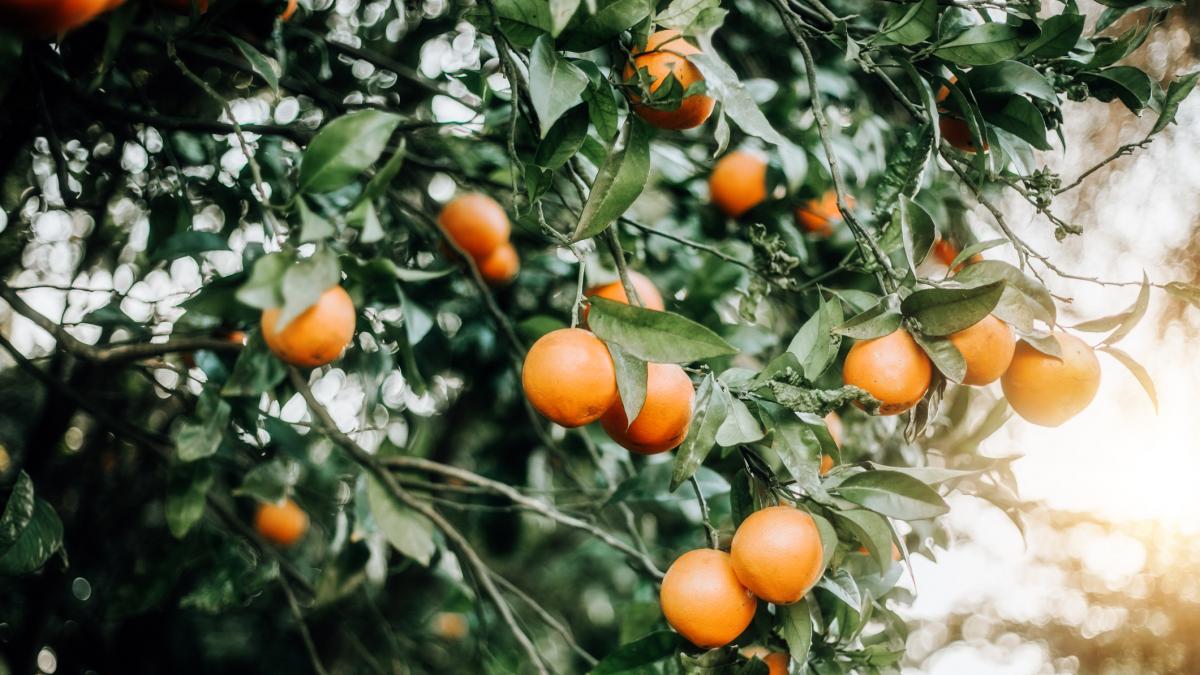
(652,335)
(304,282)
(945,356)
(815,344)
(875,322)
(908,24)
(872,531)
(17,511)
(264,66)
(35,543)
(796,627)
(893,494)
(408,531)
(974,250)
(707,417)
(631,380)
(942,311)
(643,651)
(199,435)
(1023,301)
(555,84)
(618,182)
(187,492)
(344,148)
(1059,35)
(1177,91)
(1139,372)
(981,45)
(263,289)
(739,426)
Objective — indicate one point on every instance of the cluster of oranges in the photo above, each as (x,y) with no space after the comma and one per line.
(44,18)
(710,596)
(478,225)
(1043,389)
(569,377)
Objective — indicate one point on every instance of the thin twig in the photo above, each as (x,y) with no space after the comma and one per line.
(714,540)
(309,645)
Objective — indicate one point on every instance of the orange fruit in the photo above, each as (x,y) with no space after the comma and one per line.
(500,266)
(777,662)
(450,625)
(45,18)
(987,347)
(569,377)
(283,523)
(663,420)
(665,53)
(892,368)
(776,552)
(477,223)
(945,251)
(738,182)
(818,216)
(702,598)
(826,464)
(317,336)
(1048,391)
(957,133)
(834,424)
(288,11)
(647,293)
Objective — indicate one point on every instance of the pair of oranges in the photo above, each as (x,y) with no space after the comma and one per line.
(569,377)
(1042,389)
(738,183)
(710,596)
(478,225)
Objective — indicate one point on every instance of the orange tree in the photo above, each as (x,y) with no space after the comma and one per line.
(312,312)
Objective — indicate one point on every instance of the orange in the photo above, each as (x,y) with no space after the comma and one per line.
(317,336)
(569,377)
(665,53)
(501,266)
(987,347)
(702,598)
(738,182)
(892,368)
(777,662)
(663,420)
(834,424)
(1048,391)
(818,216)
(957,133)
(288,11)
(777,554)
(477,223)
(283,523)
(450,625)
(945,251)
(45,18)
(647,293)
(826,464)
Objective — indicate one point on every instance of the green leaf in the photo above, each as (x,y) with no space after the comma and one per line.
(873,323)
(707,417)
(908,24)
(1007,78)
(893,494)
(1131,85)
(17,511)
(189,243)
(981,45)
(796,627)
(654,336)
(563,141)
(843,587)
(601,100)
(1058,37)
(681,15)
(255,371)
(410,532)
(187,492)
(631,380)
(739,426)
(365,219)
(268,483)
(304,282)
(619,181)
(872,531)
(169,215)
(652,648)
(561,12)
(815,344)
(1177,91)
(945,356)
(1024,299)
(37,541)
(555,84)
(264,66)
(942,311)
(796,445)
(313,227)
(199,435)
(905,166)
(263,289)
(521,20)
(590,30)
(1021,118)
(345,148)
(383,178)
(1139,372)
(973,250)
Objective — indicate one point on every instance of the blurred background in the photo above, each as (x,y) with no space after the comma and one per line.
(1105,581)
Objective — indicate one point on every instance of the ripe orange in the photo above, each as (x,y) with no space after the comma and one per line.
(666,52)
(476,222)
(663,420)
(777,662)
(891,368)
(283,523)
(647,293)
(317,336)
(826,464)
(1047,391)
(500,266)
(569,377)
(987,347)
(834,424)
(777,554)
(45,18)
(702,598)
(738,182)
(818,216)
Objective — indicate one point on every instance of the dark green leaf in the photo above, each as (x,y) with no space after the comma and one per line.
(654,336)
(189,244)
(707,417)
(981,45)
(1007,78)
(268,483)
(1177,91)
(875,322)
(643,651)
(908,24)
(187,491)
(797,629)
(256,370)
(589,30)
(561,12)
(313,227)
(631,380)
(1021,118)
(739,426)
(344,148)
(555,84)
(17,511)
(619,181)
(563,141)
(942,311)
(1058,37)
(893,494)
(263,289)
(815,345)
(906,164)
(1127,83)
(945,356)
(304,282)
(383,178)
(1024,299)
(199,435)
(872,531)
(521,20)
(35,543)
(264,66)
